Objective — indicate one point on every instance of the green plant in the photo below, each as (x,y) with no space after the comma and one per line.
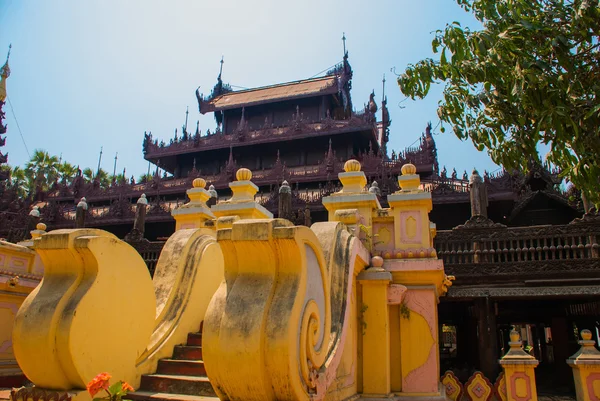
(363,324)
(404,311)
(116,392)
(528,76)
(368,239)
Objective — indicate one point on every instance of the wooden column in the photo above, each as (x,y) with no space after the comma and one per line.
(488,338)
(560,342)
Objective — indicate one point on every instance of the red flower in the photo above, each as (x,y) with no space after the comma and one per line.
(98,383)
(126,387)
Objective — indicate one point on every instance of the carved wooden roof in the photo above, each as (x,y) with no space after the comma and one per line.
(274,93)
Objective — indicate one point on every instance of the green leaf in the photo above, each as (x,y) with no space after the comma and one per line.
(116,388)
(594,110)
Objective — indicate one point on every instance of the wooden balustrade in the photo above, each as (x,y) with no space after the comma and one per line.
(497,249)
(149,251)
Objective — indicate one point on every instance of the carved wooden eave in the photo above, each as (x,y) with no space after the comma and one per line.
(528,196)
(591,217)
(522,292)
(374,167)
(479,223)
(521,272)
(483,253)
(153,151)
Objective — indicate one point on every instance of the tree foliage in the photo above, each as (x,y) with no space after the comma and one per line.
(43,170)
(531,75)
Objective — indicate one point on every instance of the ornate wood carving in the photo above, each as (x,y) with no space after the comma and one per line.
(523,292)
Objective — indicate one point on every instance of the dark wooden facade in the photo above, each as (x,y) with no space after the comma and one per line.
(302,132)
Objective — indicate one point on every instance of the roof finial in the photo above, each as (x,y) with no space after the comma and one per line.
(99,161)
(4,73)
(383,91)
(187,111)
(344,40)
(115,166)
(221,69)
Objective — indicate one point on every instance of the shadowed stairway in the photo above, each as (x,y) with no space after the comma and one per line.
(182,377)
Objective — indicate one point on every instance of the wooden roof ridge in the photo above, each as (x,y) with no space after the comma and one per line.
(272,93)
(282,84)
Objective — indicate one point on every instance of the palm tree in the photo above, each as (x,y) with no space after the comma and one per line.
(19,180)
(88,174)
(145,178)
(67,172)
(43,169)
(102,176)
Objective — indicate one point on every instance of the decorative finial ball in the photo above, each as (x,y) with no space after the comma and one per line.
(586,335)
(243,174)
(199,183)
(352,165)
(515,336)
(409,169)
(41,227)
(285,188)
(212,191)
(83,204)
(377,261)
(35,212)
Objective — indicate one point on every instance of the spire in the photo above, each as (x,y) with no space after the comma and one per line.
(220,69)
(187,111)
(4,74)
(229,168)
(428,130)
(344,41)
(218,89)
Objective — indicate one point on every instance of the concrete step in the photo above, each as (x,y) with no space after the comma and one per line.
(181,367)
(187,352)
(177,384)
(194,339)
(150,396)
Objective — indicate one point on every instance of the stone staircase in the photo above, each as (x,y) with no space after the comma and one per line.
(180,378)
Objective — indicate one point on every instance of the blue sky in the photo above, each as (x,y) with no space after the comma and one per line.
(87,74)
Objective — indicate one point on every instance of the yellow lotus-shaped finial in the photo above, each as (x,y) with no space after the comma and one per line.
(351,166)
(409,169)
(243,174)
(199,183)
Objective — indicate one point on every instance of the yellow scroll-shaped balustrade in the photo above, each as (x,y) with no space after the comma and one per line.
(277,326)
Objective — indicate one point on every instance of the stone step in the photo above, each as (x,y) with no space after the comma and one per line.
(194,339)
(177,384)
(150,396)
(184,367)
(187,352)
